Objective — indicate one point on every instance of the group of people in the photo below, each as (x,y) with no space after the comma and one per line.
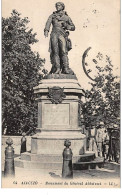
(100,141)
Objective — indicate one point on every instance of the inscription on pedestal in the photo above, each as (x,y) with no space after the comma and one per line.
(56,114)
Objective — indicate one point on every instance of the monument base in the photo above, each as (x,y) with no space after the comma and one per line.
(49,142)
(59,114)
(55,162)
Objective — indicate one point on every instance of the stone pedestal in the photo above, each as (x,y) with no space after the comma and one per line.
(59,105)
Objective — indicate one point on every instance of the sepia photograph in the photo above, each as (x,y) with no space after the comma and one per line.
(60,94)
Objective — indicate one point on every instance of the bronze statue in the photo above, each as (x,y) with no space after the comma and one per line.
(60,44)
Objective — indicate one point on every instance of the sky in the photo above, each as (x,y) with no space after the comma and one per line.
(97,25)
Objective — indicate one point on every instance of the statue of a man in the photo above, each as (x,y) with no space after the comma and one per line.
(61,22)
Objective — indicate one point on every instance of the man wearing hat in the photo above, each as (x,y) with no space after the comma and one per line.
(92,140)
(114,152)
(61,22)
(99,138)
(105,144)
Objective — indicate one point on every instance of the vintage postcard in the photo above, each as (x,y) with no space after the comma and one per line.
(60,94)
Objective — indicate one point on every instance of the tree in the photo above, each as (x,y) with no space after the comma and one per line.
(103,100)
(103,104)
(20,73)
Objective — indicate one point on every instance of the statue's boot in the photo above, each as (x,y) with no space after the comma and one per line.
(65,64)
(66,71)
(57,71)
(57,64)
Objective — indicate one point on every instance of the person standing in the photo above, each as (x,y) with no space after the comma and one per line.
(99,139)
(92,140)
(105,145)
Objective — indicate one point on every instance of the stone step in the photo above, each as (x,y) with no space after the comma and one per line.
(58,165)
(88,156)
(37,164)
(96,163)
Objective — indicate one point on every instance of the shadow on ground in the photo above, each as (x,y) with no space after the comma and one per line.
(53,174)
(110,170)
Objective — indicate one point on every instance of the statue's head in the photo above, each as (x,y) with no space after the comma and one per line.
(59,6)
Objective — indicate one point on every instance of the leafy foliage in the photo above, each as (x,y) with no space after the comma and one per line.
(103,100)
(20,73)
(103,105)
